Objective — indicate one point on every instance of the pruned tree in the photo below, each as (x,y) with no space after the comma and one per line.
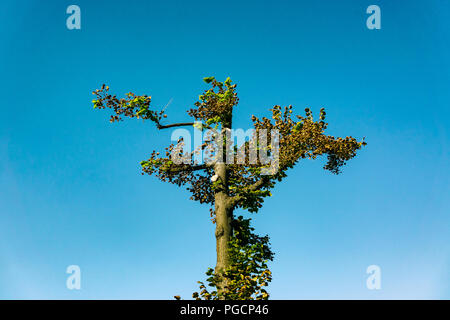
(230,178)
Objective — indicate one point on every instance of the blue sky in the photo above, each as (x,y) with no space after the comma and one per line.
(71,192)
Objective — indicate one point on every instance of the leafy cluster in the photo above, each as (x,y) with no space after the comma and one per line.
(216,104)
(248,273)
(132,106)
(301,137)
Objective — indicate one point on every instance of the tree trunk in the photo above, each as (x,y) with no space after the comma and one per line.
(224,216)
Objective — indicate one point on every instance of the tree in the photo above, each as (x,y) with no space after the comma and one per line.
(231,177)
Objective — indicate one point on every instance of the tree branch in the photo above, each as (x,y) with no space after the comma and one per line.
(233,201)
(187,167)
(181,124)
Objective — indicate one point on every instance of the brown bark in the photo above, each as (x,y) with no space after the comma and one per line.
(224,216)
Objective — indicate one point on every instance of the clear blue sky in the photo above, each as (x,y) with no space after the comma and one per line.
(71,192)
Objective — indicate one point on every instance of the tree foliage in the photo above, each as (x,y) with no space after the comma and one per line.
(247,185)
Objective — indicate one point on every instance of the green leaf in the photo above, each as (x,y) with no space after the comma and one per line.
(208,79)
